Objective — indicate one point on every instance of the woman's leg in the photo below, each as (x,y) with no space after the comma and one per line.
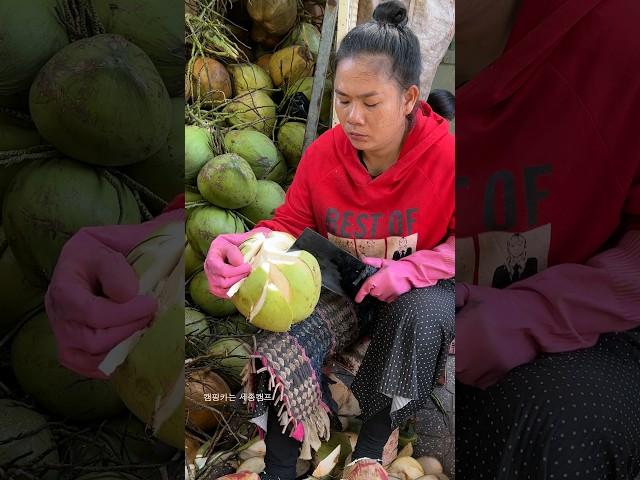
(571,415)
(282,450)
(409,347)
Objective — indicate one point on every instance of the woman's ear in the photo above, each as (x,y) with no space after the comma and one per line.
(411,96)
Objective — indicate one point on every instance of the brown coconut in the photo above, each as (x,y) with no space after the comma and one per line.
(290,64)
(196,386)
(277,16)
(259,34)
(209,82)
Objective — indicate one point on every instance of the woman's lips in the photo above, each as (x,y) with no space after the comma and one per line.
(357,136)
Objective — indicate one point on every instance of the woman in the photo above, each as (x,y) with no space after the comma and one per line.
(380,184)
(548,175)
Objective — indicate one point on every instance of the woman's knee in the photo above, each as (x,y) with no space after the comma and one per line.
(427,310)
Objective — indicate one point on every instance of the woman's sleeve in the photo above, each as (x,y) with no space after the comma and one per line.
(296,213)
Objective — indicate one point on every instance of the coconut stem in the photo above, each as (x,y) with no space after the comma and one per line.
(39,152)
(79,18)
(137,189)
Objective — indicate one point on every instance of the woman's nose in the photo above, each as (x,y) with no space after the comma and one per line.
(355,115)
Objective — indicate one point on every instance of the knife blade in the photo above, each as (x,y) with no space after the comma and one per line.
(342,273)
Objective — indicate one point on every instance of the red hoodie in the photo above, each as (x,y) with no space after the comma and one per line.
(408,207)
(548,182)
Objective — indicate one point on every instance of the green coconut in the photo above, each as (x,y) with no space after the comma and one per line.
(15,134)
(228,181)
(291,142)
(115,109)
(157,27)
(163,172)
(20,450)
(191,196)
(306,35)
(30,34)
(17,295)
(197,333)
(276,16)
(256,148)
(198,150)
(246,77)
(283,287)
(200,294)
(232,354)
(206,223)
(305,86)
(233,325)
(192,260)
(279,172)
(269,197)
(34,357)
(255,110)
(147,370)
(290,64)
(50,200)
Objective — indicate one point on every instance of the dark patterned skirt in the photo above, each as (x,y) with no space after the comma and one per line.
(570,415)
(410,339)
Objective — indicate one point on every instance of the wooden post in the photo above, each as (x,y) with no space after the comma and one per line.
(347,19)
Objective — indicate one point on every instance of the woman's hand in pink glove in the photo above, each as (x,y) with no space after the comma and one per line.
(92,302)
(388,283)
(225,265)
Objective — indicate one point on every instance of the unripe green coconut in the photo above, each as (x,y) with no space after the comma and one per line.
(157,27)
(252,110)
(280,171)
(17,295)
(198,150)
(115,109)
(283,287)
(256,148)
(206,223)
(147,370)
(270,196)
(192,260)
(288,65)
(306,35)
(246,77)
(197,333)
(34,357)
(50,200)
(191,196)
(232,354)
(163,172)
(234,325)
(228,181)
(291,142)
(276,16)
(200,294)
(30,34)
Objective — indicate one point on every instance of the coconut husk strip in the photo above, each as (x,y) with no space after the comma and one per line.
(79,18)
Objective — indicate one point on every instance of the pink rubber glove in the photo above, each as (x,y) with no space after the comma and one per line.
(225,265)
(423,268)
(92,302)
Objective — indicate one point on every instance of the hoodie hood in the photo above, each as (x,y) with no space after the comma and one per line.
(428,129)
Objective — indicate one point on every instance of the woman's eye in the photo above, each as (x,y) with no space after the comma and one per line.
(371,105)
(343,102)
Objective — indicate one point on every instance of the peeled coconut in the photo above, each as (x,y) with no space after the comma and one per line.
(327,450)
(405,468)
(17,295)
(256,148)
(115,109)
(34,357)
(147,369)
(196,331)
(197,385)
(210,82)
(49,201)
(290,64)
(153,25)
(305,86)
(306,35)
(200,294)
(430,465)
(15,420)
(270,196)
(232,354)
(254,464)
(246,77)
(198,150)
(252,110)
(206,223)
(327,464)
(283,287)
(255,447)
(228,181)
(30,34)
(163,172)
(277,16)
(291,142)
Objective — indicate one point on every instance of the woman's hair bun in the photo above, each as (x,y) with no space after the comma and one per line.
(392,12)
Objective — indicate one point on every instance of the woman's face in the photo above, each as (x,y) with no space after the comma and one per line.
(370,105)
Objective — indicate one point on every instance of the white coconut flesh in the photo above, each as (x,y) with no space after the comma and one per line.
(270,259)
